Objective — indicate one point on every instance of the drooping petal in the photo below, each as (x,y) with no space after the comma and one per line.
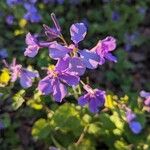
(78,32)
(46,85)
(76,66)
(100,97)
(57,51)
(109,42)
(62,64)
(83,100)
(135,126)
(59,91)
(71,80)
(93,107)
(90,59)
(110,57)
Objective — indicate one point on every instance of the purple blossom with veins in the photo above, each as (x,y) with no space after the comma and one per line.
(25,76)
(104,48)
(94,98)
(134,125)
(78,32)
(57,79)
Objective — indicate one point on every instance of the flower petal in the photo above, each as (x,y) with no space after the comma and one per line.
(135,127)
(70,79)
(76,66)
(57,51)
(30,39)
(83,100)
(78,32)
(26,78)
(62,64)
(90,59)
(46,85)
(110,57)
(59,91)
(100,97)
(93,105)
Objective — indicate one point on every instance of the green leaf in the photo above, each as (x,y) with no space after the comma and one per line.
(18,99)
(5,119)
(66,118)
(41,129)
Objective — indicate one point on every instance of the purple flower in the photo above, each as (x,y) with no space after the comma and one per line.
(1,125)
(130,40)
(134,125)
(33,46)
(33,1)
(57,78)
(60,1)
(32,13)
(78,32)
(25,76)
(115,16)
(10,20)
(13,2)
(103,49)
(142,10)
(94,98)
(3,53)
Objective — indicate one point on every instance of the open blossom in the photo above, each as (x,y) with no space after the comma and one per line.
(78,32)
(134,125)
(57,78)
(104,48)
(25,76)
(94,98)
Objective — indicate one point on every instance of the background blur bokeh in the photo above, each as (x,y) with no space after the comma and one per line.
(30,126)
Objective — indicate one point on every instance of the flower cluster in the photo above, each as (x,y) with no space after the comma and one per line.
(72,62)
(32,13)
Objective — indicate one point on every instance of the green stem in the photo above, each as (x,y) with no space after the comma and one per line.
(81,136)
